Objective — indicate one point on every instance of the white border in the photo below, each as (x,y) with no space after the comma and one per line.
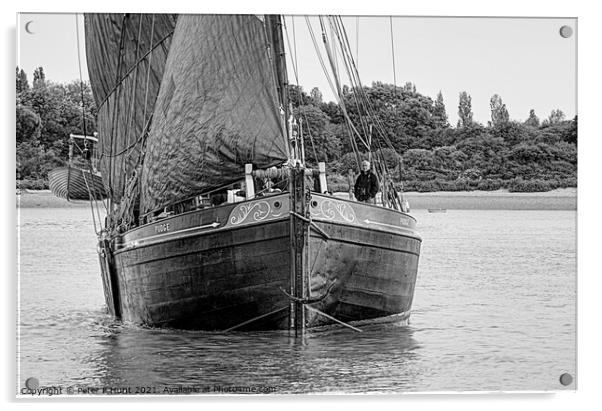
(589,152)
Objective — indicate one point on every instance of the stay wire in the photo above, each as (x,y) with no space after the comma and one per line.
(296,72)
(91,195)
(352,131)
(367,106)
(353,82)
(390,195)
(338,84)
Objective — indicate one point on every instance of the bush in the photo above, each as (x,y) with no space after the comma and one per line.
(465,184)
(518,185)
(569,182)
(337,183)
(349,162)
(32,184)
(489,184)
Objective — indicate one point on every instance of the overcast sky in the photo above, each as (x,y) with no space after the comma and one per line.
(524,60)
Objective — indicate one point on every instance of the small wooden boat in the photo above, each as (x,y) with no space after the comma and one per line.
(437,210)
(77,183)
(73,183)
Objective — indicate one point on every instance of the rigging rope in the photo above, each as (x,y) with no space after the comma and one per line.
(92,196)
(390,196)
(393,54)
(81,81)
(133,98)
(288,41)
(357,40)
(339,92)
(354,82)
(320,58)
(150,61)
(299,95)
(354,78)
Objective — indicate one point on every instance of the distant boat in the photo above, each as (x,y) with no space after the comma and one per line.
(78,183)
(73,183)
(437,210)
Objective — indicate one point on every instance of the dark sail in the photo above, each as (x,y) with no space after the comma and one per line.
(126,56)
(217,109)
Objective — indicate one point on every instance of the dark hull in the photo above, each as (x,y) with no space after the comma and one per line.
(76,184)
(218,268)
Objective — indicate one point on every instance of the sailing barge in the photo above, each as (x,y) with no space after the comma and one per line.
(193,113)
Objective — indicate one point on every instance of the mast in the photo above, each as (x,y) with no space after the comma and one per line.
(274,33)
(274,24)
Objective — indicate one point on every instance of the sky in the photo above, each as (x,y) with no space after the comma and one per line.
(524,60)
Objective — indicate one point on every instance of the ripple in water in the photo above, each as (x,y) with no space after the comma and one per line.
(494,309)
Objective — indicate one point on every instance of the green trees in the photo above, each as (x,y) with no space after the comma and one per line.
(464,110)
(22,84)
(319,136)
(316,96)
(28,125)
(46,113)
(439,113)
(503,154)
(556,117)
(410,130)
(533,120)
(39,78)
(499,113)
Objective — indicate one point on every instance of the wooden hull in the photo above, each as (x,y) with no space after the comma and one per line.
(217,268)
(76,184)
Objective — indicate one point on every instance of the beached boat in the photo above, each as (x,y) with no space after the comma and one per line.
(215,220)
(74,182)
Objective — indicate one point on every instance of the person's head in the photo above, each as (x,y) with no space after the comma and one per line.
(365,165)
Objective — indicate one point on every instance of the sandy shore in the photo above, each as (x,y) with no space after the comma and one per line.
(45,199)
(561,199)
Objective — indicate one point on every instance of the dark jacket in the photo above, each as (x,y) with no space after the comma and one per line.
(366,186)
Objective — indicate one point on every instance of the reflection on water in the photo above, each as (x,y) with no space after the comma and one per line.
(494,309)
(322,361)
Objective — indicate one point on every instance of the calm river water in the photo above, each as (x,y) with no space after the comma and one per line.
(494,309)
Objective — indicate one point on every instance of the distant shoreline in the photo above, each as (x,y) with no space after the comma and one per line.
(560,199)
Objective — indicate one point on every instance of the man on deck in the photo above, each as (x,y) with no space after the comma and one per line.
(366,185)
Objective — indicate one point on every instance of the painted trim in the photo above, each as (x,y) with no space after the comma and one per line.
(185,233)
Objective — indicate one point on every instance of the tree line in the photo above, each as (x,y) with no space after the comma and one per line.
(422,151)
(426,153)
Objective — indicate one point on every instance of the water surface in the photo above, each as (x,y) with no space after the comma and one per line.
(494,309)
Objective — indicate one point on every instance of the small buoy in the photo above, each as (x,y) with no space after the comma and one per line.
(32,383)
(566,32)
(566,379)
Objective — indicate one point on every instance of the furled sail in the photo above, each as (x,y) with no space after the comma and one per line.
(217,109)
(126,56)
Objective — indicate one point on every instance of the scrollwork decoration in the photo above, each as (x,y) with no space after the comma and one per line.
(332,210)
